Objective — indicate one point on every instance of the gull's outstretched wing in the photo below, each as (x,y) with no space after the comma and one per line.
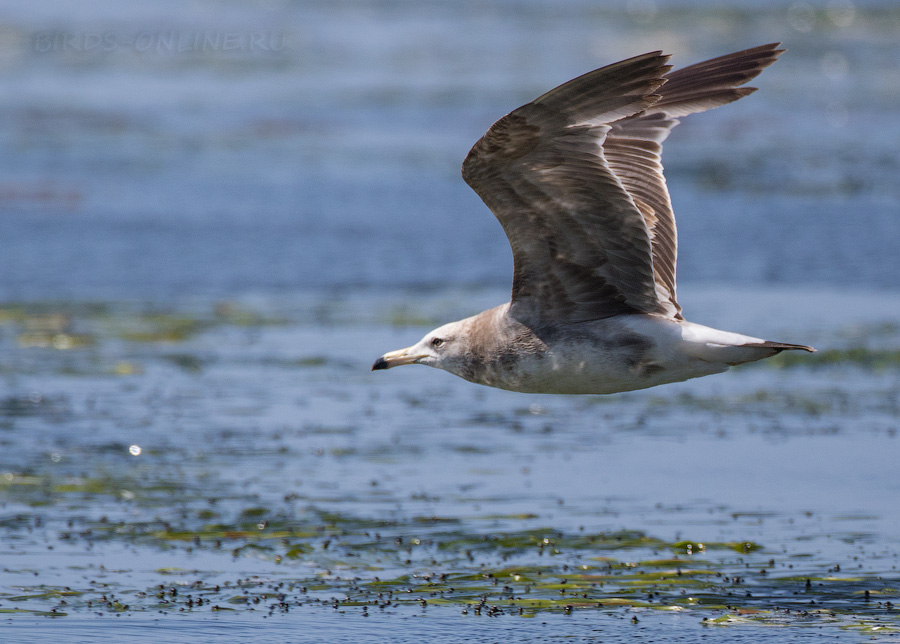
(581,249)
(633,146)
(574,179)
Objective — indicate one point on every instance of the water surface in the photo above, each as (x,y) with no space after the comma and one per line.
(205,247)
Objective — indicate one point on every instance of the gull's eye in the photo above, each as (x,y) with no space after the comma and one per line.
(436,342)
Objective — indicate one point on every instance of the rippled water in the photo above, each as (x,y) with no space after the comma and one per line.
(186,469)
(206,245)
(333,161)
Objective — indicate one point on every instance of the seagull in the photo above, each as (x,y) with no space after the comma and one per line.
(576,181)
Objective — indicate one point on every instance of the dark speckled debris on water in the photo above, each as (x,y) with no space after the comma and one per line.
(230,469)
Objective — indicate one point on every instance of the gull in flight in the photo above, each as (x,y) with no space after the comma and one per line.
(576,181)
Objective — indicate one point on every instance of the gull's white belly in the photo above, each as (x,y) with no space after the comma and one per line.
(618,354)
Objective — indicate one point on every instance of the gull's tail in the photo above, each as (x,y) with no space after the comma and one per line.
(778,347)
(753,351)
(726,348)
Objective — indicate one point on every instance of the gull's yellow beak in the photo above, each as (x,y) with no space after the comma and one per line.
(397,358)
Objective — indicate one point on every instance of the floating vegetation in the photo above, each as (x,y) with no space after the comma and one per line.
(237,477)
(336,561)
(861,357)
(162,327)
(819,403)
(186,361)
(70,325)
(54,340)
(408,316)
(322,558)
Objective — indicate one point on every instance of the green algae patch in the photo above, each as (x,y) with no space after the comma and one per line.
(871,627)
(692,547)
(521,516)
(401,316)
(162,327)
(254,513)
(90,486)
(52,593)
(862,357)
(73,325)
(297,551)
(730,619)
(174,571)
(33,613)
(235,314)
(60,341)
(667,563)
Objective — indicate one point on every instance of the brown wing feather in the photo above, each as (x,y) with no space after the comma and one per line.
(581,248)
(632,150)
(634,144)
(714,82)
(576,181)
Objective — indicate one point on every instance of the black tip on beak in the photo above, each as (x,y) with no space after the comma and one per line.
(381,363)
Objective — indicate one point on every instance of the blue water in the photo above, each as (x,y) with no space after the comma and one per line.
(410,629)
(169,161)
(302,159)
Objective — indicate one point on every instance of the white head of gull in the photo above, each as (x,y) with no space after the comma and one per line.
(576,181)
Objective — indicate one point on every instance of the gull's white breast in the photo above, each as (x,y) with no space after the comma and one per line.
(622,353)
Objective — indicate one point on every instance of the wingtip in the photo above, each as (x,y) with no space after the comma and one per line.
(776,50)
(773,47)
